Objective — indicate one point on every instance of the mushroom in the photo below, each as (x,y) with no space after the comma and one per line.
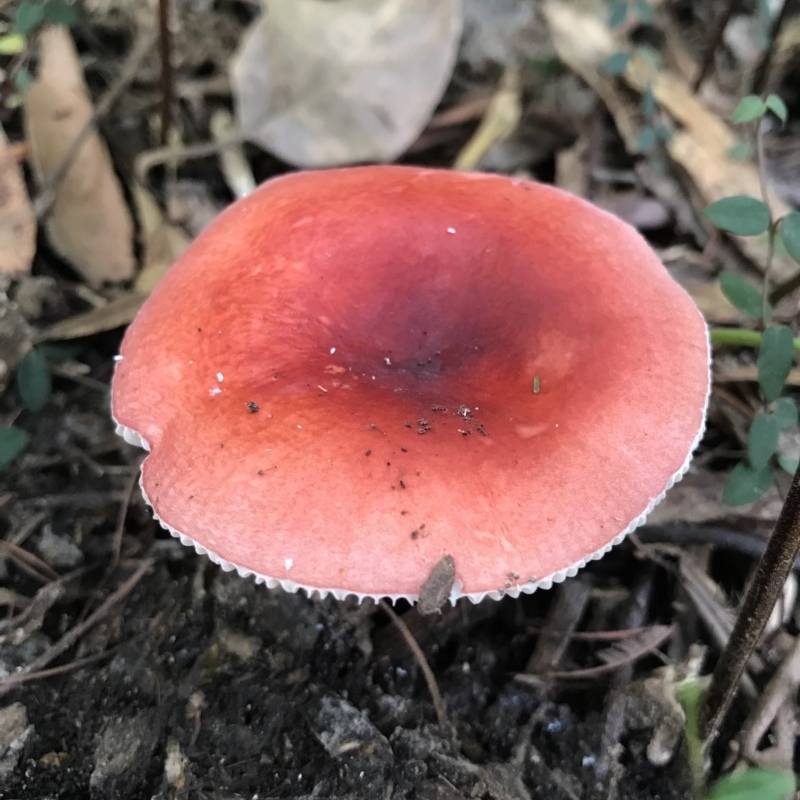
(354,374)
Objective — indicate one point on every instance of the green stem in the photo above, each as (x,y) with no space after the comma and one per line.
(741,337)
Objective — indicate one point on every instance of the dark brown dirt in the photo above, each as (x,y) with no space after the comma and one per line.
(201,684)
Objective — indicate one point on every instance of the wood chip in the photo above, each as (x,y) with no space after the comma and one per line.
(435,592)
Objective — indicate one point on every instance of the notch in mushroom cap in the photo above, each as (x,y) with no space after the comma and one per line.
(352,374)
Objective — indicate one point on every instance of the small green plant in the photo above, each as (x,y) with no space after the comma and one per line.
(654,132)
(618,14)
(743,215)
(34,384)
(751,783)
(754,783)
(13,441)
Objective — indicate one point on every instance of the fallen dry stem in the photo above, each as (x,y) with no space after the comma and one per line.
(73,635)
(778,694)
(27,562)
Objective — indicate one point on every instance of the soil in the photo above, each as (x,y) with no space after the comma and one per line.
(197,683)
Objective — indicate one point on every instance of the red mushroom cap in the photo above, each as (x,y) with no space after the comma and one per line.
(354,373)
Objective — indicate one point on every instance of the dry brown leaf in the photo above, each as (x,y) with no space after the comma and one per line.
(117,313)
(163,242)
(584,42)
(323,84)
(89,224)
(17,220)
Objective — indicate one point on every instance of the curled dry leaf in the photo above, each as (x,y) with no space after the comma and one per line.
(323,84)
(163,244)
(17,220)
(90,224)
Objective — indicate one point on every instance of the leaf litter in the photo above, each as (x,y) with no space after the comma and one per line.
(325,701)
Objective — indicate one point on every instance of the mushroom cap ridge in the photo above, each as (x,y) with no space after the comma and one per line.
(353,373)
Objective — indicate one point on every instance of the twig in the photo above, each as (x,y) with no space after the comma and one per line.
(777,694)
(784,289)
(615,716)
(772,571)
(714,535)
(167,82)
(27,677)
(419,656)
(563,616)
(72,636)
(761,72)
(626,656)
(713,42)
(28,563)
(119,528)
(119,532)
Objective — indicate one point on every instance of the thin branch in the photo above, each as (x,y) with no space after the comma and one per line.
(419,656)
(761,74)
(74,634)
(167,80)
(714,39)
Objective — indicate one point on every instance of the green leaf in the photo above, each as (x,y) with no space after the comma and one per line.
(776,105)
(739,214)
(775,359)
(546,67)
(664,132)
(12,442)
(787,463)
(57,12)
(644,12)
(616,14)
(27,17)
(790,233)
(742,294)
(762,440)
(615,65)
(646,139)
(746,484)
(750,108)
(754,783)
(22,79)
(741,150)
(784,409)
(61,350)
(34,382)
(649,106)
(12,44)
(651,56)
